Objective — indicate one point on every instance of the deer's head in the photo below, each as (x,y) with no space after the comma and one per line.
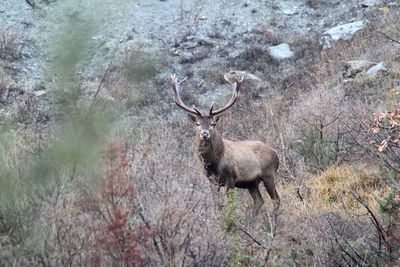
(205,124)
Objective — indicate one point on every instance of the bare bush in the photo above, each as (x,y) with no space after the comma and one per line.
(318,120)
(189,17)
(10,46)
(129,78)
(4,87)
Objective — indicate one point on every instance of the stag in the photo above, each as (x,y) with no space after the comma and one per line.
(232,164)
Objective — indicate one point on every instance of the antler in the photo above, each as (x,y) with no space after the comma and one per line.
(235,89)
(177,98)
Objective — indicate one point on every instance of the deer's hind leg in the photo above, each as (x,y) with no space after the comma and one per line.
(269,183)
(257,198)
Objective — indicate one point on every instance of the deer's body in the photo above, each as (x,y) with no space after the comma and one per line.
(241,164)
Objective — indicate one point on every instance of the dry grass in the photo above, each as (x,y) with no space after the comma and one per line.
(10,45)
(4,87)
(148,184)
(335,185)
(130,80)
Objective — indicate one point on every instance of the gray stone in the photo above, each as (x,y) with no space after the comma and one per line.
(39,93)
(189,45)
(252,85)
(191,57)
(370,3)
(289,8)
(340,32)
(280,52)
(354,67)
(373,71)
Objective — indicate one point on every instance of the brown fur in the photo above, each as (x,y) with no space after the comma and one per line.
(240,164)
(233,164)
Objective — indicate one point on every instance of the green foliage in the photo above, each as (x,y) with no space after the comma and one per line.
(29,176)
(74,26)
(230,218)
(316,149)
(390,204)
(239,258)
(69,49)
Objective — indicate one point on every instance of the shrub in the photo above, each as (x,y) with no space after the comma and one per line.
(4,87)
(334,186)
(131,80)
(317,121)
(10,46)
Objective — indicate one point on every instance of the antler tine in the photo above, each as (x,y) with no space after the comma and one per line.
(235,89)
(177,97)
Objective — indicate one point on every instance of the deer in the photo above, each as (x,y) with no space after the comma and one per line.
(241,164)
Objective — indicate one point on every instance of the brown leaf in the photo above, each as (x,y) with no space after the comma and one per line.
(382,146)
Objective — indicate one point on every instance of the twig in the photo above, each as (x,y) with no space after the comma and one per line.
(107,70)
(252,238)
(340,246)
(147,224)
(373,219)
(388,37)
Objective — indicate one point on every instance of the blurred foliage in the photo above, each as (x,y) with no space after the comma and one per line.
(74,28)
(28,176)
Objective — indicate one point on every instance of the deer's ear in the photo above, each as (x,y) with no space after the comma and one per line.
(192,118)
(217,117)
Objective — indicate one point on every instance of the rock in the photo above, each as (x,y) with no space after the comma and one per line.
(370,3)
(257,29)
(237,74)
(373,71)
(204,41)
(289,8)
(39,93)
(191,57)
(189,45)
(252,85)
(354,67)
(280,52)
(344,32)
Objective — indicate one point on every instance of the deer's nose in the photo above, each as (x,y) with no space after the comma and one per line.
(204,134)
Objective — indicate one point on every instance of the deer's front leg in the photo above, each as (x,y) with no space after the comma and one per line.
(230,183)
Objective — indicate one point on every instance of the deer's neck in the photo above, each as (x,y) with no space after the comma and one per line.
(211,150)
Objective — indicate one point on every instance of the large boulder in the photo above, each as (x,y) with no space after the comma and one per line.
(359,68)
(353,67)
(280,52)
(376,69)
(370,3)
(340,32)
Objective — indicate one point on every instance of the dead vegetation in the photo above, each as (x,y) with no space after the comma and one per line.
(143,199)
(10,45)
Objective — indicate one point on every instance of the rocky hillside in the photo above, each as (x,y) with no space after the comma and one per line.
(97,163)
(199,40)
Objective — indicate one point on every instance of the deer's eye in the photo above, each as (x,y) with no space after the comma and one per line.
(213,124)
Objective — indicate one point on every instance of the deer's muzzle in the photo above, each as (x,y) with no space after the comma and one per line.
(204,135)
